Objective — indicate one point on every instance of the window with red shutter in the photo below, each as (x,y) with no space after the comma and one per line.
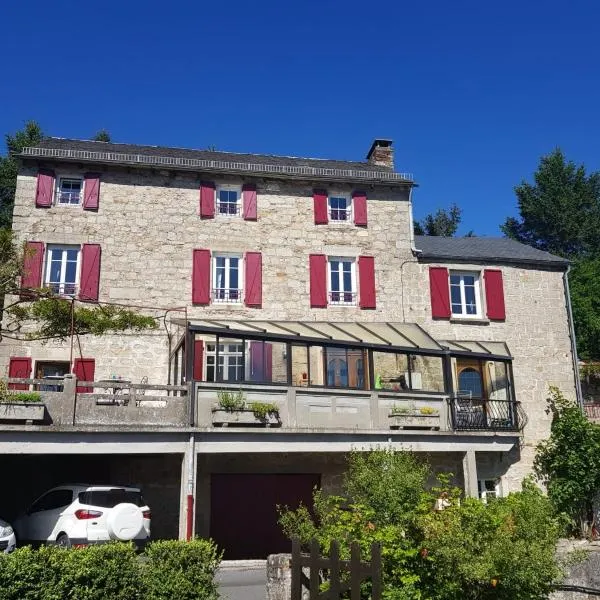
(366,282)
(318,280)
(320,207)
(201,277)
(494,294)
(84,369)
(20,368)
(440,292)
(207,200)
(33,263)
(44,189)
(254,279)
(89,282)
(91,191)
(360,208)
(249,208)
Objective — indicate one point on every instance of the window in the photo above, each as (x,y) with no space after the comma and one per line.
(345,368)
(62,269)
(228,200)
(340,208)
(226,364)
(68,191)
(226,278)
(464,294)
(111,498)
(489,488)
(54,372)
(342,281)
(52,500)
(469,383)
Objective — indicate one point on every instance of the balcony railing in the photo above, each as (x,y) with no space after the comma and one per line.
(471,414)
(227,294)
(228,209)
(348,298)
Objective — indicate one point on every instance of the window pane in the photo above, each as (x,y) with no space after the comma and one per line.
(55,268)
(299,365)
(71,272)
(427,373)
(316,365)
(470,299)
(390,370)
(469,381)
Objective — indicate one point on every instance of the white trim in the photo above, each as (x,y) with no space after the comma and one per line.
(226,355)
(342,291)
(228,187)
(484,493)
(50,249)
(477,289)
(227,284)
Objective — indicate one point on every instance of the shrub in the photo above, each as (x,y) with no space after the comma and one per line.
(181,570)
(262,409)
(231,401)
(8,396)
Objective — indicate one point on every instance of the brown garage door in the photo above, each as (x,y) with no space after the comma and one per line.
(243,519)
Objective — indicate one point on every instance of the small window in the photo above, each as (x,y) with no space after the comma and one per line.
(68,191)
(489,488)
(228,363)
(227,277)
(52,500)
(342,281)
(62,269)
(54,373)
(228,200)
(469,383)
(340,208)
(110,498)
(465,294)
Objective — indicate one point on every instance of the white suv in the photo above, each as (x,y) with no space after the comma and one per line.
(80,514)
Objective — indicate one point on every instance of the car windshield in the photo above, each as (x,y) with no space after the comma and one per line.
(110,498)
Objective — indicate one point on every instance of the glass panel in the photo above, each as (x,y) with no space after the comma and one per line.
(469,382)
(427,373)
(357,376)
(470,299)
(299,365)
(498,380)
(337,367)
(316,365)
(391,371)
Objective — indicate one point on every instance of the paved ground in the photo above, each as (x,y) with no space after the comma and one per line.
(242,579)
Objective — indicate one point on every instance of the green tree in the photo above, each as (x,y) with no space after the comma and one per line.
(504,549)
(559,211)
(568,462)
(443,223)
(102,136)
(30,135)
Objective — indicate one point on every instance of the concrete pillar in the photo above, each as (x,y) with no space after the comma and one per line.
(70,394)
(188,488)
(470,474)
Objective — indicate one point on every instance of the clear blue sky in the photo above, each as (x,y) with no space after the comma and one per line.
(472,93)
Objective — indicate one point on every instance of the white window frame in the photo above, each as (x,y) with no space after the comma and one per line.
(463,303)
(337,297)
(217,295)
(349,211)
(225,355)
(228,187)
(484,493)
(57,192)
(50,250)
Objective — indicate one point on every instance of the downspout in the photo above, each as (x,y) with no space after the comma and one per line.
(411,225)
(189,524)
(578,392)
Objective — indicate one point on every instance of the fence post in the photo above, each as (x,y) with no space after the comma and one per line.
(315,554)
(70,394)
(334,571)
(296,571)
(355,571)
(376,571)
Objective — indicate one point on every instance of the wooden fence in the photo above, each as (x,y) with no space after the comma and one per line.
(341,575)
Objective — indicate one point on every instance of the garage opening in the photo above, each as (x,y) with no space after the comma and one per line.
(244,511)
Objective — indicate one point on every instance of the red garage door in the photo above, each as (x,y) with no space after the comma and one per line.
(244,511)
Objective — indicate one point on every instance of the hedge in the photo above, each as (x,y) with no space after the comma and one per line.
(170,570)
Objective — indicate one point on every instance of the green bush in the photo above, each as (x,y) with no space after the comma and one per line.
(21,397)
(231,401)
(171,570)
(181,571)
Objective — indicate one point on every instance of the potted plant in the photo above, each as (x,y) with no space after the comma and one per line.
(411,417)
(232,409)
(20,406)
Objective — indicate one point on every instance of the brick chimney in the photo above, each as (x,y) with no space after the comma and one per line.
(381,153)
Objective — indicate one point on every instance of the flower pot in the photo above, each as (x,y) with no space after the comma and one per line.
(243,418)
(414,421)
(22,411)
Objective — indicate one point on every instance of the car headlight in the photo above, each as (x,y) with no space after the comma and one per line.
(6,530)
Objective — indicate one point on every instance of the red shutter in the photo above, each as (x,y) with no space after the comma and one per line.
(440,292)
(45,187)
(366,281)
(84,369)
(249,201)
(207,200)
(89,285)
(33,263)
(318,280)
(254,279)
(320,202)
(198,360)
(360,208)
(91,191)
(201,277)
(19,366)
(494,294)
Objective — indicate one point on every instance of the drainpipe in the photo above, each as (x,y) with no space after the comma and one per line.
(578,393)
(411,224)
(189,524)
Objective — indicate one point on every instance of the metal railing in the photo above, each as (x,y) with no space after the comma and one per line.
(216,165)
(62,289)
(347,298)
(228,209)
(227,294)
(340,214)
(475,414)
(68,198)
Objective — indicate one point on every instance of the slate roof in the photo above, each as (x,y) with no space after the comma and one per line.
(484,249)
(157,156)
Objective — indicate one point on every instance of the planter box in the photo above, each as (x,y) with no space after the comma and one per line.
(415,421)
(22,411)
(243,418)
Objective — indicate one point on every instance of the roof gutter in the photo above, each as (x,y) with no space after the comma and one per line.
(578,393)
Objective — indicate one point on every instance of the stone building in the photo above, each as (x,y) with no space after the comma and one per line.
(291,282)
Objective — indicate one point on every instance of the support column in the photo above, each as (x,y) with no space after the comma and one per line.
(187,502)
(470,474)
